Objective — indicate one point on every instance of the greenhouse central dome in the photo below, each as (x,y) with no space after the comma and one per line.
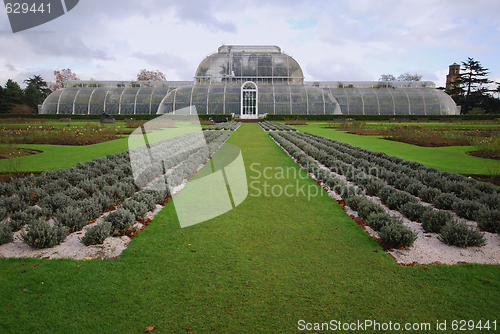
(249,81)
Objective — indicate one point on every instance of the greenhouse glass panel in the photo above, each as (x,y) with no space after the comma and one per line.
(143,101)
(232,99)
(331,105)
(167,104)
(183,97)
(280,66)
(385,101)
(265,66)
(158,95)
(82,101)
(282,94)
(340,95)
(216,100)
(431,102)
(401,102)
(248,65)
(316,102)
(370,102)
(113,101)
(282,109)
(199,99)
(417,106)
(448,106)
(67,100)
(355,101)
(299,99)
(128,101)
(51,102)
(97,101)
(266,99)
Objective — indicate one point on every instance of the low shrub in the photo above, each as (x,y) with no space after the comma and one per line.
(102,201)
(90,208)
(122,222)
(434,220)
(159,196)
(459,234)
(385,192)
(71,217)
(368,207)
(76,193)
(3,213)
(414,187)
(468,209)
(397,235)
(490,200)
(13,204)
(399,198)
(18,220)
(96,235)
(413,210)
(445,201)
(88,186)
(55,202)
(6,233)
(138,209)
(146,199)
(472,194)
(354,202)
(402,182)
(428,194)
(378,220)
(41,235)
(373,186)
(489,220)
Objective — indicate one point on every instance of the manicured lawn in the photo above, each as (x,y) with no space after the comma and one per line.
(259,268)
(451,158)
(59,156)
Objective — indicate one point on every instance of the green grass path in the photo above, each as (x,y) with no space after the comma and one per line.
(259,268)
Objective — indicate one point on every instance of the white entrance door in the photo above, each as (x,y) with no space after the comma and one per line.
(249,98)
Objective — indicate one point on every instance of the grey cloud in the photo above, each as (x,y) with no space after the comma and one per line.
(163,61)
(61,45)
(331,71)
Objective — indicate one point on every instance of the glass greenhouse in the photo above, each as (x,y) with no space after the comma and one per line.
(248,81)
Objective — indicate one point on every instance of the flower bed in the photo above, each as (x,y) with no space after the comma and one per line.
(401,185)
(47,207)
(274,126)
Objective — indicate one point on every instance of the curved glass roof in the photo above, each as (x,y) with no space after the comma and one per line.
(388,101)
(95,101)
(240,63)
(272,99)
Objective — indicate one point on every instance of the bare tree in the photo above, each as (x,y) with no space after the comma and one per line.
(145,75)
(387,77)
(61,77)
(409,77)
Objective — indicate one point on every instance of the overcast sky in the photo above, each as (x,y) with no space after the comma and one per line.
(331,40)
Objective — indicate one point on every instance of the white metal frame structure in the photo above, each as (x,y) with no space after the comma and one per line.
(249,99)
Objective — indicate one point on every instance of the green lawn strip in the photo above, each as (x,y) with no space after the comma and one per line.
(60,156)
(259,268)
(450,158)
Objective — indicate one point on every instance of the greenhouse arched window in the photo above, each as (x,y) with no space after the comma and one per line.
(249,98)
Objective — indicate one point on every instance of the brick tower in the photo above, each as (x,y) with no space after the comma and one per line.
(452,77)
